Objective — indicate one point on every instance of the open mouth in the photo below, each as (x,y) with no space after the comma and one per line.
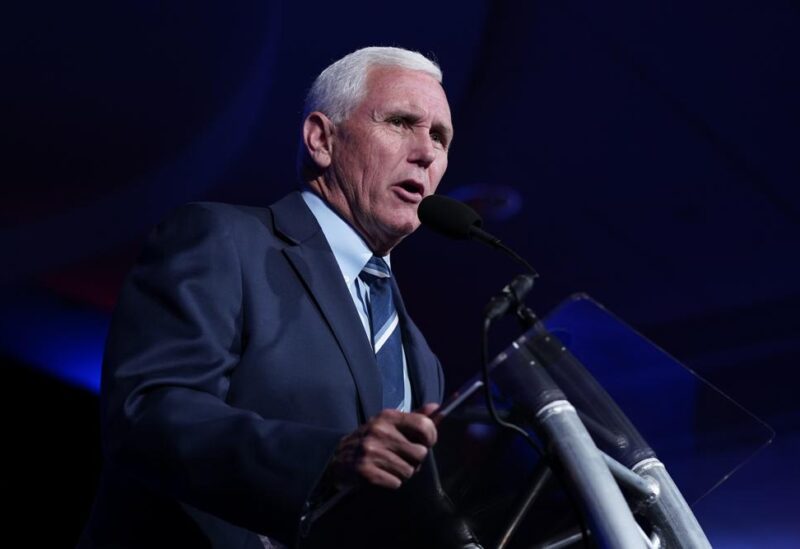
(411,190)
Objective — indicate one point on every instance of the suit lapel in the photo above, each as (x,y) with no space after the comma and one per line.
(422,370)
(315,264)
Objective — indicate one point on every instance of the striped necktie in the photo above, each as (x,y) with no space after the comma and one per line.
(386,338)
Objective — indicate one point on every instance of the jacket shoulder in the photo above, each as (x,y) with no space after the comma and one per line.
(234,221)
(235,214)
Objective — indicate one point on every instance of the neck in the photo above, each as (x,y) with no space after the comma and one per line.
(333,196)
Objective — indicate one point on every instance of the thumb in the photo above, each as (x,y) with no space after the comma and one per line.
(427,409)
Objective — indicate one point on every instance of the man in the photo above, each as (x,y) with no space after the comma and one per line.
(260,359)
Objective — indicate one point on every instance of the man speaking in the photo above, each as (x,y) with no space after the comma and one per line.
(260,357)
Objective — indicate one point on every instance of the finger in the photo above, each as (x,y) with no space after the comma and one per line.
(378,445)
(384,433)
(410,452)
(376,457)
(431,410)
(418,428)
(384,428)
(376,476)
(428,409)
(397,428)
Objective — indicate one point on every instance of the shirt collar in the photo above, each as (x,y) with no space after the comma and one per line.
(349,248)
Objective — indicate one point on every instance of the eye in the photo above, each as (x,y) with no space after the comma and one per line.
(398,121)
(439,139)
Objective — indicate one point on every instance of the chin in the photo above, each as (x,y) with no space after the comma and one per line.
(405,227)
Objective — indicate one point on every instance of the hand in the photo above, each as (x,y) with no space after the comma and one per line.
(387,450)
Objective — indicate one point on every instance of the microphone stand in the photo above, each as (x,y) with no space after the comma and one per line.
(531,388)
(523,376)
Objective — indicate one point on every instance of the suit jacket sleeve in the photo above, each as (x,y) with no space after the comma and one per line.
(174,342)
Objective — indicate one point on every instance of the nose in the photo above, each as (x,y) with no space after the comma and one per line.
(422,150)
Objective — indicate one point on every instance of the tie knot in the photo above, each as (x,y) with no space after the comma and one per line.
(376,268)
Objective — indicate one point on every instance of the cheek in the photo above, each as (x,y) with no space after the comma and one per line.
(373,165)
(437,174)
(379,171)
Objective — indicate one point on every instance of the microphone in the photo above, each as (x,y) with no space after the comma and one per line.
(512,295)
(454,219)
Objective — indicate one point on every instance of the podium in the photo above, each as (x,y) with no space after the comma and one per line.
(620,439)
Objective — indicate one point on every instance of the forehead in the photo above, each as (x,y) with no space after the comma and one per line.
(399,88)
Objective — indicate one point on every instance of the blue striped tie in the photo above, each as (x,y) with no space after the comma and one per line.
(386,338)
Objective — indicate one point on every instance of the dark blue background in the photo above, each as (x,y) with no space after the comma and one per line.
(643,152)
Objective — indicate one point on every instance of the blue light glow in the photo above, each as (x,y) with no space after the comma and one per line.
(55,337)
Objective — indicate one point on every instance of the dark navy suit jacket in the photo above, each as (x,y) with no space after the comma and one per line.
(234,364)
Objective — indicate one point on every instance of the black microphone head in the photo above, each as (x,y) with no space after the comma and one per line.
(448,216)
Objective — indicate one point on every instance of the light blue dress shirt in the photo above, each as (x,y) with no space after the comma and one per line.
(352,254)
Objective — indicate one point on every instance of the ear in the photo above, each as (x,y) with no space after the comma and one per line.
(318,138)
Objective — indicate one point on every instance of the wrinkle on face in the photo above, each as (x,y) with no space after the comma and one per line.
(388,154)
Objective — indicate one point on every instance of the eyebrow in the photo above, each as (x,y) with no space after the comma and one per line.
(415,115)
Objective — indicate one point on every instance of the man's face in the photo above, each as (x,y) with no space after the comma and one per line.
(390,153)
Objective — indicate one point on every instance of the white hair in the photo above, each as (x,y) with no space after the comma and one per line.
(342,85)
